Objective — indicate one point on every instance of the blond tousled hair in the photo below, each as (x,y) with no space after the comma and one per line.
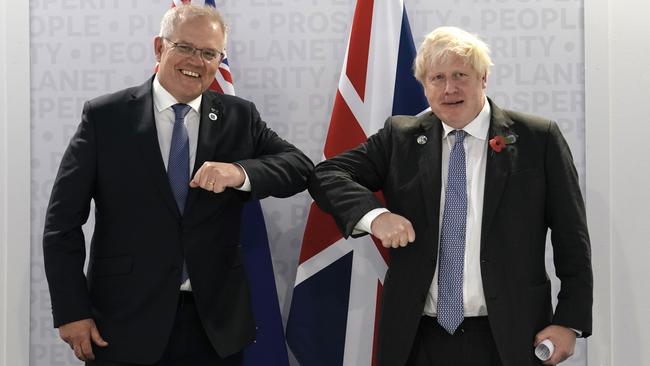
(442,42)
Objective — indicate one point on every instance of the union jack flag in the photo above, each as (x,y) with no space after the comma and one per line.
(337,292)
(269,347)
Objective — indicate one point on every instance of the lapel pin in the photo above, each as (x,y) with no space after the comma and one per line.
(212,116)
(422,140)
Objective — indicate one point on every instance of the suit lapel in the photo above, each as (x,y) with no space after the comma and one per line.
(497,169)
(209,129)
(146,135)
(429,163)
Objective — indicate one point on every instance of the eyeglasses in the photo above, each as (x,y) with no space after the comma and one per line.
(207,54)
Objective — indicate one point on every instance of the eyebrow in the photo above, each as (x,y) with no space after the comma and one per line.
(193,45)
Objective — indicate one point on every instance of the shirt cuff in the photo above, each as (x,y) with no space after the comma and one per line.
(364,225)
(246,186)
(186,286)
(578,332)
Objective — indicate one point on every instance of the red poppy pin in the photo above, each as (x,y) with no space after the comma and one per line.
(499,142)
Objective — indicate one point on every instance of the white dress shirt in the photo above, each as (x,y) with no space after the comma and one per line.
(475,144)
(164,118)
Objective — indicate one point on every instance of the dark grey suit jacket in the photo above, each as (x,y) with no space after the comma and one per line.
(140,238)
(529,188)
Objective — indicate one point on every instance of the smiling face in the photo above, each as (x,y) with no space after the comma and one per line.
(187,76)
(454,90)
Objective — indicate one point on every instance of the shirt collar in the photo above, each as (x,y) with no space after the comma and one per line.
(162,99)
(478,127)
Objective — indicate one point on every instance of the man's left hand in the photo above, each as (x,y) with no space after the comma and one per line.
(216,177)
(564,340)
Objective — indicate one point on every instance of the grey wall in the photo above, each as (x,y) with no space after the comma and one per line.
(618,83)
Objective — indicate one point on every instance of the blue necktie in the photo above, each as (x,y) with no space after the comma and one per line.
(178,166)
(452,240)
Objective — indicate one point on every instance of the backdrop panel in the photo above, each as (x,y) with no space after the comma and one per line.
(285,55)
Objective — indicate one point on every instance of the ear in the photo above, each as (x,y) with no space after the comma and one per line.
(484,80)
(157,47)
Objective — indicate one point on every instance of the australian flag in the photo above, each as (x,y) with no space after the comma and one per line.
(269,347)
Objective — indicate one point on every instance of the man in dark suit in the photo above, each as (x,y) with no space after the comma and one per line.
(470,192)
(165,283)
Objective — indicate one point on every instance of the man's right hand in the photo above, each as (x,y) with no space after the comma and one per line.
(393,230)
(79,334)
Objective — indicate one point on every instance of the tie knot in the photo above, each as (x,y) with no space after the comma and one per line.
(181,110)
(460,136)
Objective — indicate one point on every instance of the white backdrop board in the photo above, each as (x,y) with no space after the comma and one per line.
(285,56)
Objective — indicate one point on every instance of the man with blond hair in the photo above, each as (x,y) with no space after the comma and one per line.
(169,165)
(470,192)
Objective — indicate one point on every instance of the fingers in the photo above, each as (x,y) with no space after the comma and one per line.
(563,339)
(560,354)
(97,338)
(207,178)
(78,336)
(216,177)
(392,230)
(77,352)
(556,358)
(86,351)
(410,233)
(395,239)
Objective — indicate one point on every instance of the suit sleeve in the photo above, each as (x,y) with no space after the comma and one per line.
(64,247)
(566,218)
(277,168)
(344,185)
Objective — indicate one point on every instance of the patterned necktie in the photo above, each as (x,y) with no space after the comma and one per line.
(178,166)
(452,240)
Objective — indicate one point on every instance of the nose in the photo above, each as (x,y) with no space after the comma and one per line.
(450,86)
(196,55)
